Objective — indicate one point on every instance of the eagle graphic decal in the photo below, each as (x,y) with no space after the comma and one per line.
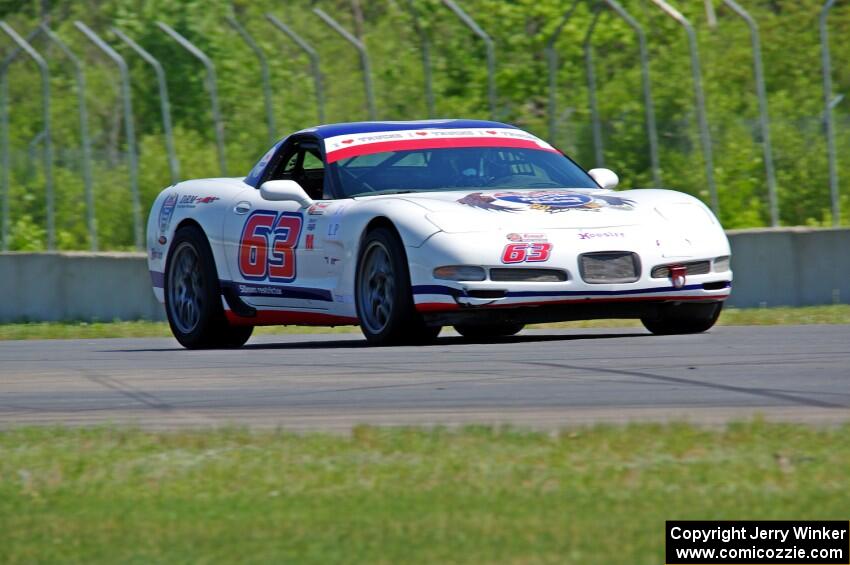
(551,201)
(484,201)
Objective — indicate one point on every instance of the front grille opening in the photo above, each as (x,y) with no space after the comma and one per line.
(719,285)
(609,267)
(486,293)
(527,275)
(693,268)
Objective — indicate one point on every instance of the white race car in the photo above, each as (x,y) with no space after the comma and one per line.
(406,227)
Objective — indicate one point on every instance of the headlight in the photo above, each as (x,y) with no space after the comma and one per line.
(721,264)
(460,273)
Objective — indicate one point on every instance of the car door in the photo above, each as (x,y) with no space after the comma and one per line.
(265,242)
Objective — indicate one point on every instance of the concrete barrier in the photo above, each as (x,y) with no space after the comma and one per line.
(773,267)
(790,267)
(76,286)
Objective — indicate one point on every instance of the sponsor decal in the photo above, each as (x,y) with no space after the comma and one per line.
(318,208)
(551,201)
(600,235)
(526,253)
(353,145)
(258,168)
(256,289)
(267,157)
(332,260)
(526,237)
(155,254)
(309,241)
(166,211)
(282,291)
(311,225)
(162,240)
(333,231)
(190,200)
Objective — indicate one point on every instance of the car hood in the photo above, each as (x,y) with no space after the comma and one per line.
(511,210)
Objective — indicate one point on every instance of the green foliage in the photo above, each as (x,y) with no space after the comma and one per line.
(520,29)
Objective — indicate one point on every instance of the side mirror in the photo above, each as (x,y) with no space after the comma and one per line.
(606,178)
(284,190)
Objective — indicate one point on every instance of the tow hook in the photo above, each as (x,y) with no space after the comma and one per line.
(678,275)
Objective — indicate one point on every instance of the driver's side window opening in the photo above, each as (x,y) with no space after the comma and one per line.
(303,164)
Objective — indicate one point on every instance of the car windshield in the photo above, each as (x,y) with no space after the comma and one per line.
(457,168)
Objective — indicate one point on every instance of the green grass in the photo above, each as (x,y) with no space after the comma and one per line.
(97,330)
(778,316)
(475,495)
(838,314)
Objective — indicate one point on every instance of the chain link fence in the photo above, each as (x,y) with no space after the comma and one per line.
(100,110)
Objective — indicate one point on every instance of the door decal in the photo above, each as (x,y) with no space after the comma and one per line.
(267,246)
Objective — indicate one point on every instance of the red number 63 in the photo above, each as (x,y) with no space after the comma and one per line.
(267,246)
(526,252)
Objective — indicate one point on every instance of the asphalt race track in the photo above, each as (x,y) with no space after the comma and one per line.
(542,379)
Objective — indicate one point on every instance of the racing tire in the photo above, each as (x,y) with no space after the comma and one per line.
(193,296)
(383,294)
(489,331)
(676,319)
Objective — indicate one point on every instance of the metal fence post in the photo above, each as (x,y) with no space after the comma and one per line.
(4,159)
(699,97)
(596,126)
(710,15)
(827,111)
(4,139)
(129,126)
(552,65)
(314,62)
(364,59)
(264,73)
(491,53)
(165,106)
(212,85)
(425,47)
(48,143)
(764,120)
(646,83)
(85,140)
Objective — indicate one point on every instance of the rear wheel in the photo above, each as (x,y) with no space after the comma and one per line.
(487,331)
(193,297)
(383,294)
(675,319)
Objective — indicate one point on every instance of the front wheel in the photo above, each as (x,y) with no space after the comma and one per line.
(675,319)
(383,294)
(193,298)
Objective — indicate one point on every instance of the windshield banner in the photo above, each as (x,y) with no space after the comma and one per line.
(347,146)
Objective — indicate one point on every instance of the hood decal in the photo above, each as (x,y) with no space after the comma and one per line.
(551,201)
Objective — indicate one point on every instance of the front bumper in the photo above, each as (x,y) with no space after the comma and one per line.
(565,300)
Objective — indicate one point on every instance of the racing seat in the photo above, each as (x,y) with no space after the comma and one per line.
(313,182)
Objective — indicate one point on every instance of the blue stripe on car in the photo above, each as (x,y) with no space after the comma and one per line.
(277,291)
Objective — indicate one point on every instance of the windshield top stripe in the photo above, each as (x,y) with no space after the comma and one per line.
(433,143)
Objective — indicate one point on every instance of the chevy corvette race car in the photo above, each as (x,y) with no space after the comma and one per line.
(406,227)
